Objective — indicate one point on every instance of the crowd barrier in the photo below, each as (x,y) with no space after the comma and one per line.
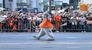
(30,27)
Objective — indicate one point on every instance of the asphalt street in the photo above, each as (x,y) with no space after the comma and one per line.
(63,41)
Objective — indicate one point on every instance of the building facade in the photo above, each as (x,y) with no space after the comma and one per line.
(32,4)
(13,4)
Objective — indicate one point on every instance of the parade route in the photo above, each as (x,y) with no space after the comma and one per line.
(63,41)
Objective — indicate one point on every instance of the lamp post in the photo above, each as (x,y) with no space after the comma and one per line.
(4,4)
(50,6)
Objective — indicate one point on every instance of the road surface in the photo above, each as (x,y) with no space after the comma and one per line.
(63,41)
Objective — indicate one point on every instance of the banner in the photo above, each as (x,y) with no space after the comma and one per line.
(84,7)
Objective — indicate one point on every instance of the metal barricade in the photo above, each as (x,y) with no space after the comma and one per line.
(32,26)
(19,25)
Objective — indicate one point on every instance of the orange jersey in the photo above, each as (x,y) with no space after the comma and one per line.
(57,18)
(46,23)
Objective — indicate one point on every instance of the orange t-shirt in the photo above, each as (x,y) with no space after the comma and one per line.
(46,23)
(57,18)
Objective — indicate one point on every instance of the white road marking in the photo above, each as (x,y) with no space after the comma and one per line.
(78,46)
(71,37)
(67,43)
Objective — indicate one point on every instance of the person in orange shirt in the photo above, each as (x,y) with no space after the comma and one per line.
(46,27)
(58,19)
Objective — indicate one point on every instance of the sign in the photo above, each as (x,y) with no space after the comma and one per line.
(84,7)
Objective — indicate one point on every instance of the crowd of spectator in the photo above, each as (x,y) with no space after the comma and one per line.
(28,22)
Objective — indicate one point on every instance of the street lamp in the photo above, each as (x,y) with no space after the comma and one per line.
(49,6)
(4,4)
(50,2)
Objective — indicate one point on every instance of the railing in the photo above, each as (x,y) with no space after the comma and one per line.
(30,27)
(78,28)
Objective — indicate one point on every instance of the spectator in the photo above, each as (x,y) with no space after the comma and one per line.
(89,22)
(57,19)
